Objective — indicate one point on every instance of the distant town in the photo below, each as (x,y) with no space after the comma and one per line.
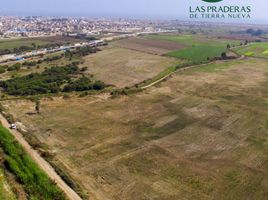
(41,26)
(96,31)
(35,26)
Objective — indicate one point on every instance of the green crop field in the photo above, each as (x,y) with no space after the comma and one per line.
(197,47)
(194,39)
(198,53)
(11,44)
(183,39)
(254,49)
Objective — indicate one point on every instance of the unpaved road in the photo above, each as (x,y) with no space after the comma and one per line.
(171,73)
(182,69)
(43,164)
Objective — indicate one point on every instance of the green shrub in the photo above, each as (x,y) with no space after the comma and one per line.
(2,70)
(29,63)
(15,67)
(1,108)
(53,58)
(84,84)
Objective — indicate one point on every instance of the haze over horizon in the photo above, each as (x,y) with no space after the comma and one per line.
(149,9)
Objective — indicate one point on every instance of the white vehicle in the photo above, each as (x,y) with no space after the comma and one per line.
(13,126)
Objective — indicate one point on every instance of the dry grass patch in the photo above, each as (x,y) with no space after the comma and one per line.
(124,67)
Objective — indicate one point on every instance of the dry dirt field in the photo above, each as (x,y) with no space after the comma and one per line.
(158,47)
(202,135)
(125,67)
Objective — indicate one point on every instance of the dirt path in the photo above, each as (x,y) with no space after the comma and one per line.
(43,164)
(171,73)
(182,69)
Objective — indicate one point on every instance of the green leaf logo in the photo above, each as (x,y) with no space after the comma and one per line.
(212,1)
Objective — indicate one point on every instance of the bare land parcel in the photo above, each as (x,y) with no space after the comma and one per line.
(200,135)
(158,47)
(124,67)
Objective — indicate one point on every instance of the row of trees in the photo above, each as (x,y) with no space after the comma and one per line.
(253,32)
(81,51)
(47,59)
(17,66)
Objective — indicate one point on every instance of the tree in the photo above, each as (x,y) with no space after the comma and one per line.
(228,46)
(258,32)
(253,32)
(2,70)
(250,31)
(15,67)
(83,69)
(223,55)
(69,54)
(34,45)
(37,106)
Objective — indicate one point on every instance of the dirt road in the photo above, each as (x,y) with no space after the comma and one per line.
(171,73)
(182,69)
(43,164)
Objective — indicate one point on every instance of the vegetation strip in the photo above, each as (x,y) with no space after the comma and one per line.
(37,184)
(168,72)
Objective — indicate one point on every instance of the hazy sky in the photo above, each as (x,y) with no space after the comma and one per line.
(156,9)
